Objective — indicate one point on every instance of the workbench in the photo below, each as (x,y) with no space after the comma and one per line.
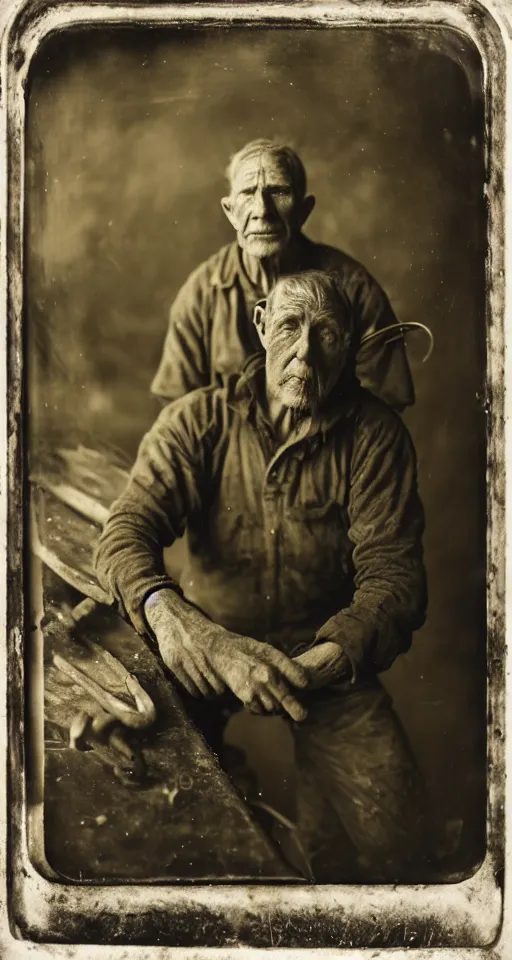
(182,819)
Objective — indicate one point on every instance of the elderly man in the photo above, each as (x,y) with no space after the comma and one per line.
(304,578)
(210,331)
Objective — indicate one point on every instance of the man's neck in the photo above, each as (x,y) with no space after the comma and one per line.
(264,272)
(284,420)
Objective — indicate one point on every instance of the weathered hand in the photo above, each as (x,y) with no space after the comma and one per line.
(182,640)
(325,663)
(260,676)
(205,657)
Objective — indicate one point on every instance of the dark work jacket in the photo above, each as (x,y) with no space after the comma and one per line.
(281,538)
(211,334)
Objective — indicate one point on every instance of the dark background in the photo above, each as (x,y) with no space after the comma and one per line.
(129,133)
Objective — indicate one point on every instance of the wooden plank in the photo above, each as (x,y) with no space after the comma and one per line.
(65,542)
(79,501)
(92,472)
(185,821)
(88,481)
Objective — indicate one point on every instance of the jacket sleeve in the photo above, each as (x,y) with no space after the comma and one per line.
(162,492)
(386,524)
(381,365)
(184,364)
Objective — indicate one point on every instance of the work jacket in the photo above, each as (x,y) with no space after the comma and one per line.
(211,333)
(281,537)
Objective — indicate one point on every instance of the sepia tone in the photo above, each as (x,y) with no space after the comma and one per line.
(121,205)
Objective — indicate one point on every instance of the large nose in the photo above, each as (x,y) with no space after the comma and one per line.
(260,204)
(303,346)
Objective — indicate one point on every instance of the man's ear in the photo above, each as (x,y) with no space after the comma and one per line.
(259,318)
(308,205)
(227,206)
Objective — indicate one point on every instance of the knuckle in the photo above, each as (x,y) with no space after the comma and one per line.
(246,693)
(282,664)
(273,675)
(262,673)
(172,662)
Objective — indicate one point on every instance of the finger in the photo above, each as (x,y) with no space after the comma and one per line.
(255,706)
(293,672)
(216,684)
(270,703)
(198,680)
(288,702)
(280,689)
(297,711)
(186,682)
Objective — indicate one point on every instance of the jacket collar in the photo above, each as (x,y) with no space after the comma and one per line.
(246,394)
(229,268)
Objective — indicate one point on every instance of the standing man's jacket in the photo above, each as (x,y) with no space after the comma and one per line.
(281,538)
(211,334)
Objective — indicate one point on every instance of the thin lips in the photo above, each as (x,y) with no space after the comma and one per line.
(272,232)
(296,376)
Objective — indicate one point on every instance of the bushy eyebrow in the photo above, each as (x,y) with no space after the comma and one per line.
(288,313)
(326,317)
(300,311)
(249,184)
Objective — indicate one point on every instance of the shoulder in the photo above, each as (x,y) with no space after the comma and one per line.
(324,257)
(360,286)
(376,425)
(200,414)
(211,272)
(191,423)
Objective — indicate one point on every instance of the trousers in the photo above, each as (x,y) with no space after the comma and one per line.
(360,797)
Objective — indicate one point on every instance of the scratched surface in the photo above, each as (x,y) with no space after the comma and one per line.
(184,820)
(435,918)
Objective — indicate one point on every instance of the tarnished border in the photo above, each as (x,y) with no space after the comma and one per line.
(41,917)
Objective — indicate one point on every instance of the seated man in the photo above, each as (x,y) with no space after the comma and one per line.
(305,576)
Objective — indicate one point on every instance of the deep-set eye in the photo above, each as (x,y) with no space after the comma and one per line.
(290,325)
(328,337)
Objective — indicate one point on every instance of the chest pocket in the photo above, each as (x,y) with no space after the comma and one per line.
(232,524)
(315,545)
(234,537)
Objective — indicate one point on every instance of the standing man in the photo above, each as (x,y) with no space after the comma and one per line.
(211,333)
(305,575)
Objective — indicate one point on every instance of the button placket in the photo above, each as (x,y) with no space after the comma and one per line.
(271,579)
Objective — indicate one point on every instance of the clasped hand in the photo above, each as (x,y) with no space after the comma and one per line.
(206,658)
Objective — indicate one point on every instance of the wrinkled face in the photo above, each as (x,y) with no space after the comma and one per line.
(263,207)
(306,350)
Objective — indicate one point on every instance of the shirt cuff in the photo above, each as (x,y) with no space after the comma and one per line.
(354,635)
(134,606)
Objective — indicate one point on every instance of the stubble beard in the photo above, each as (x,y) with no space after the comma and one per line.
(306,400)
(261,249)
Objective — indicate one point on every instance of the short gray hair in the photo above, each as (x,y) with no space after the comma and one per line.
(314,289)
(287,158)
